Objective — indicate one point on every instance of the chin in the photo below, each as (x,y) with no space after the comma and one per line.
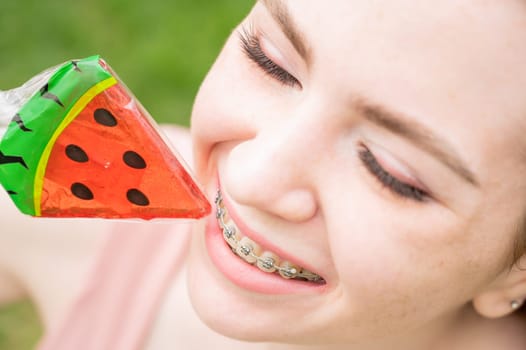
(245,315)
(242,301)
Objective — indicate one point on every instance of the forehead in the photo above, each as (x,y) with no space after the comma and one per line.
(458,65)
(465,41)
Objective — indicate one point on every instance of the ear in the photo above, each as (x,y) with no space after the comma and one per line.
(496,300)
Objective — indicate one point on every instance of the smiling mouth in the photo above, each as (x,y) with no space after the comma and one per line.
(253,254)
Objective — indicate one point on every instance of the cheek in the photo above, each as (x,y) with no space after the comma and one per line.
(404,270)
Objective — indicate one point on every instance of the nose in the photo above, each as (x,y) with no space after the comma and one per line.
(273,171)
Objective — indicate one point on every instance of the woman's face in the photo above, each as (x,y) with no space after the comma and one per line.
(377,144)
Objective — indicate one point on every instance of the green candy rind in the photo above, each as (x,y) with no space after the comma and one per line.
(42,116)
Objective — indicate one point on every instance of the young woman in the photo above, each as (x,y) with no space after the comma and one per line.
(366,161)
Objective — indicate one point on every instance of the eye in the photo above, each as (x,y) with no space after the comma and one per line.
(252,49)
(396,186)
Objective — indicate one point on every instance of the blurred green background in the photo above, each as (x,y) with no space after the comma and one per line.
(160,49)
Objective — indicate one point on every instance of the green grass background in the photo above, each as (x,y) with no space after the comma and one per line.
(161,49)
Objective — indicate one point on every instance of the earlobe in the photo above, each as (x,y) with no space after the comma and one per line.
(504,296)
(516,304)
(492,305)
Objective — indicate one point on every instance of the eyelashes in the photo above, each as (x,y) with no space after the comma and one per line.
(252,48)
(396,186)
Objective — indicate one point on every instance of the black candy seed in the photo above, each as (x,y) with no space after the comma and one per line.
(137,197)
(134,160)
(81,191)
(76,154)
(104,117)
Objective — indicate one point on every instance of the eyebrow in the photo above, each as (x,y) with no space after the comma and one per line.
(416,133)
(376,113)
(279,11)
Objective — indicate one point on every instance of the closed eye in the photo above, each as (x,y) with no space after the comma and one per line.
(396,186)
(252,48)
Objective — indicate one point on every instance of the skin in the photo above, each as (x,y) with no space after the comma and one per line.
(401,273)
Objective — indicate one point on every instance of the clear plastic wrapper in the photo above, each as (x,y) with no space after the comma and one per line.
(77,143)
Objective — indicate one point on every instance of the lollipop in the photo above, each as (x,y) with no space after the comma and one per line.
(79,144)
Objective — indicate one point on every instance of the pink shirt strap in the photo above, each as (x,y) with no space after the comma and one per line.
(120,299)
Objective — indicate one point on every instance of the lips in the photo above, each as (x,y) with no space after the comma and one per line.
(251,262)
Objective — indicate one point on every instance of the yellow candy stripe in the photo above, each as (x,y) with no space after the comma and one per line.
(72,114)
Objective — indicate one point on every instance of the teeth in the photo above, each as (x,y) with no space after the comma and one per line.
(247,250)
(250,251)
(288,270)
(268,262)
(220,213)
(231,235)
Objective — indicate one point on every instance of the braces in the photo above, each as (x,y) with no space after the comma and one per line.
(267,264)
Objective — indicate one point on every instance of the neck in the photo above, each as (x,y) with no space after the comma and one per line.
(439,335)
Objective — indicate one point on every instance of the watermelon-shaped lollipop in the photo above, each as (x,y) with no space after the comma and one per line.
(83,146)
